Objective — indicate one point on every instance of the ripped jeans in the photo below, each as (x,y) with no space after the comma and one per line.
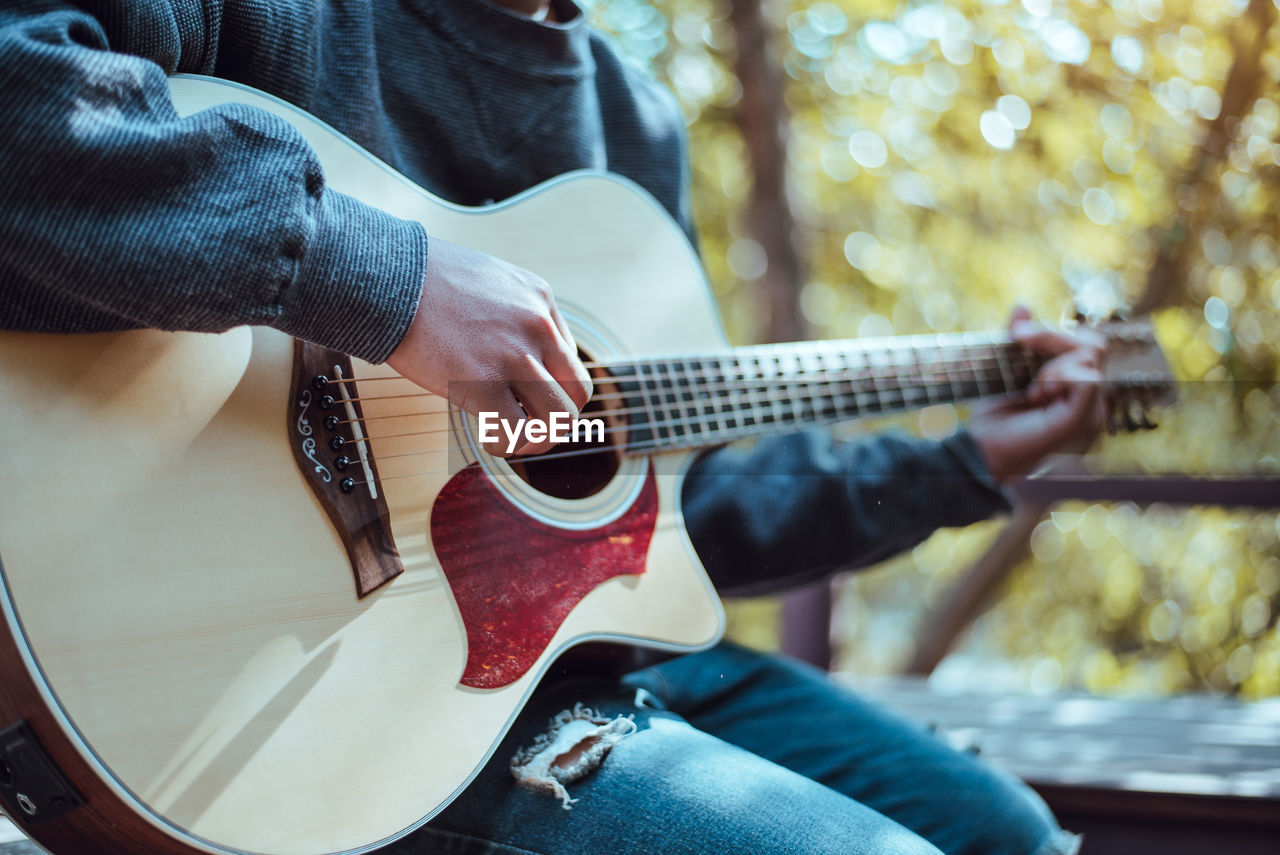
(739,753)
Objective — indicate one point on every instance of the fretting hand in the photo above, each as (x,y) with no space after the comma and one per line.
(1063,409)
(488,335)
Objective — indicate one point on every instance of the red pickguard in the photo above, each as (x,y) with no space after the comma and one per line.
(516,579)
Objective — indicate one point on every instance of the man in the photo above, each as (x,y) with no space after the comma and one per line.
(116,214)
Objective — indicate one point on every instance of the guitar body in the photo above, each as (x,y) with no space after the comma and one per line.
(181,629)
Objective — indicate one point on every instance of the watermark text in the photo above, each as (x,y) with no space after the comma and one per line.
(561,427)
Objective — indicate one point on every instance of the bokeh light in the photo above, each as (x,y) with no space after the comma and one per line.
(951,159)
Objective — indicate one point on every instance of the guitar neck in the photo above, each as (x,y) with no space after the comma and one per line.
(689,401)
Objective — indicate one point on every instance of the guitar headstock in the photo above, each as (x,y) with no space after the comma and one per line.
(1137,375)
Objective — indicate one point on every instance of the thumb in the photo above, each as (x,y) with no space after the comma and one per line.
(1020,313)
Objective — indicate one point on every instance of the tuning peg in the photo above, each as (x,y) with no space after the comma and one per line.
(1135,417)
(1114,421)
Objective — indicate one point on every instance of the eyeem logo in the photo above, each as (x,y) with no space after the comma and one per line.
(561,428)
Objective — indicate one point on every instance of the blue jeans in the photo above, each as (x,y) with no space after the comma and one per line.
(739,753)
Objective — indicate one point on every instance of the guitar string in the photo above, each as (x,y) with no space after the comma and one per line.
(832,348)
(658,443)
(763,391)
(989,350)
(701,439)
(656,393)
(788,413)
(712,407)
(670,441)
(849,373)
(652,445)
(896,398)
(820,349)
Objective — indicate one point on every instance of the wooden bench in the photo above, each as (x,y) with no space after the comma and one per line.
(1191,774)
(12,841)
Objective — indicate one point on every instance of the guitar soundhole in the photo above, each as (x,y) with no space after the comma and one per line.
(576,470)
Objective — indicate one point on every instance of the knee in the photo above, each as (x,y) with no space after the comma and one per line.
(908,845)
(878,837)
(1007,818)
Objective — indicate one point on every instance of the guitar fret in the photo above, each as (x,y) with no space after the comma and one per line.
(697,400)
(672,404)
(824,391)
(815,384)
(830,391)
(789,367)
(877,379)
(978,375)
(701,381)
(848,403)
(746,405)
(862,375)
(1029,366)
(730,380)
(689,415)
(926,385)
(706,401)
(908,381)
(895,376)
(811,373)
(957,386)
(764,402)
(771,389)
(1006,375)
(649,404)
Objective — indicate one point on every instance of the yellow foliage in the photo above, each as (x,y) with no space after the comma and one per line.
(949,161)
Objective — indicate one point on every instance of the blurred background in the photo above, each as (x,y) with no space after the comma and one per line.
(868,167)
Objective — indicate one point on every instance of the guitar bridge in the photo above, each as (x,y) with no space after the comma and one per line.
(332,451)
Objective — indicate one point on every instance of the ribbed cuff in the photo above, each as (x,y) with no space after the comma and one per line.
(992,497)
(358,281)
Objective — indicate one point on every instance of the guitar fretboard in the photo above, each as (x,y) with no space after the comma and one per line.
(695,400)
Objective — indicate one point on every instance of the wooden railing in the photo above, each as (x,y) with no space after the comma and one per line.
(806,613)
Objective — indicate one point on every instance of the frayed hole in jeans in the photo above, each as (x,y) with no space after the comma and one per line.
(573,745)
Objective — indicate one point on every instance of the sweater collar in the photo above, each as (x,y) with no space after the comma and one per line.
(499,35)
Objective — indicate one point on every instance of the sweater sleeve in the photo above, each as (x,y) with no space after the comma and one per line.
(790,509)
(115,213)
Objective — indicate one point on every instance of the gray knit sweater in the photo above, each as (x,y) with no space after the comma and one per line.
(115,214)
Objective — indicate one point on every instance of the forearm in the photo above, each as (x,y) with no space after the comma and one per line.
(116,213)
(793,508)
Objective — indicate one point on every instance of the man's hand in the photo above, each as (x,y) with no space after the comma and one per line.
(1063,409)
(489,335)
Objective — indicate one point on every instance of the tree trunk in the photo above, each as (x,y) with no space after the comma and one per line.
(1166,280)
(762,119)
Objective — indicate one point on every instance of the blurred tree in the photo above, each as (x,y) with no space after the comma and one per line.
(944,160)
(761,118)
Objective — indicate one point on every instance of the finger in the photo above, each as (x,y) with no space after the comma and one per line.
(1043,390)
(1020,313)
(1087,411)
(1079,408)
(1085,354)
(563,363)
(562,360)
(1079,365)
(563,326)
(1042,339)
(545,400)
(510,421)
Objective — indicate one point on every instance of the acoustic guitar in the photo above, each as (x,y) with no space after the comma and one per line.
(258,597)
